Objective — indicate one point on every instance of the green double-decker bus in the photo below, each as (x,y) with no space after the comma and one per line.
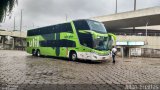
(79,39)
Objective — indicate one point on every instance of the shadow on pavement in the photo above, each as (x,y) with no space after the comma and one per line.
(66,59)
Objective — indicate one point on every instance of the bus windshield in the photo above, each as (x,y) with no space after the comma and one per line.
(96,26)
(103,43)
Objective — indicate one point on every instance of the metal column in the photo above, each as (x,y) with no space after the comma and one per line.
(3,41)
(13,43)
(122,52)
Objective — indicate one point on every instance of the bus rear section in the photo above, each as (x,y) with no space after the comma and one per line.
(55,40)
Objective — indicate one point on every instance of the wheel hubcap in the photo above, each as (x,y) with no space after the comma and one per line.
(34,52)
(38,54)
(74,57)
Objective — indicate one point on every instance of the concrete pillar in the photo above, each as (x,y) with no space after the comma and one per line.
(122,51)
(24,43)
(3,41)
(129,52)
(13,43)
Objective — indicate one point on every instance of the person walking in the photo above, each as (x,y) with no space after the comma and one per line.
(113,52)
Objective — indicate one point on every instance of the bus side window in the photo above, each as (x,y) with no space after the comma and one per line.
(65,27)
(69,28)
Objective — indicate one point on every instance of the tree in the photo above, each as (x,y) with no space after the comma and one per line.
(6,7)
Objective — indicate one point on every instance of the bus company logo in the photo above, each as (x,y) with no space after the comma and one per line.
(68,36)
(34,42)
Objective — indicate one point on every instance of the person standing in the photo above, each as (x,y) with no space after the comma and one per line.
(113,52)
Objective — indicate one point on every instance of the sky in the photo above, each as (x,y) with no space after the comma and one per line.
(39,13)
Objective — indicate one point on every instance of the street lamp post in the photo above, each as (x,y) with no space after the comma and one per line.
(134,10)
(14,28)
(21,27)
(66,17)
(21,22)
(135,5)
(146,42)
(116,7)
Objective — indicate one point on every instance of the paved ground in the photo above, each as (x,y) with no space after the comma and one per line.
(22,71)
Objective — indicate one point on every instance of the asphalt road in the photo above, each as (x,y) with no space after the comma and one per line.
(19,70)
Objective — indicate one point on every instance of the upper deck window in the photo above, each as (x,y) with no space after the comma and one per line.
(96,26)
(65,27)
(90,25)
(81,25)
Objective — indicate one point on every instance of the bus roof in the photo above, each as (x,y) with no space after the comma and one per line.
(61,23)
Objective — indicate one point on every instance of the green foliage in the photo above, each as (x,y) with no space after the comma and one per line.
(6,7)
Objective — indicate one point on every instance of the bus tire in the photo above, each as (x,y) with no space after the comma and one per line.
(73,56)
(33,52)
(38,54)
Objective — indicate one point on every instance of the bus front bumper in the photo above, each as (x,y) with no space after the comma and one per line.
(92,56)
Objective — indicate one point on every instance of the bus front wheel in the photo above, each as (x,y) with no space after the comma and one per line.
(73,56)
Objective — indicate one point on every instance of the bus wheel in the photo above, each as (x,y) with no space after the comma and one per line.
(73,56)
(38,54)
(33,52)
